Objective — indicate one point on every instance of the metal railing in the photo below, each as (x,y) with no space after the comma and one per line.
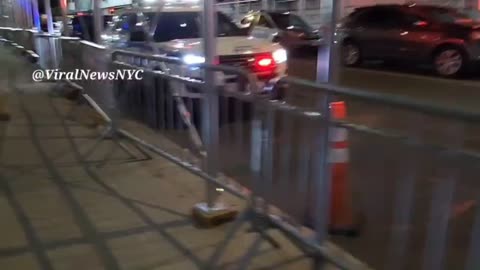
(276,155)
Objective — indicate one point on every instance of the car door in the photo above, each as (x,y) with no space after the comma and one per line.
(373,29)
(417,36)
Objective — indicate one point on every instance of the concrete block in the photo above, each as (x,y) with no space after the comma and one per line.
(211,217)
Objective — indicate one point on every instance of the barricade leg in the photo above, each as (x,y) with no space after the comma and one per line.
(108,133)
(212,212)
(4,114)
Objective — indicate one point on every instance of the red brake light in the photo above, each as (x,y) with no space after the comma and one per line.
(264,62)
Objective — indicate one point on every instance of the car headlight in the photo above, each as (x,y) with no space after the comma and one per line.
(475,35)
(280,56)
(192,59)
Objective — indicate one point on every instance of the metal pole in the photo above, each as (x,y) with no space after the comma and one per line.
(264,4)
(97,21)
(64,9)
(328,59)
(21,13)
(301,7)
(36,15)
(210,102)
(28,9)
(237,9)
(16,14)
(48,12)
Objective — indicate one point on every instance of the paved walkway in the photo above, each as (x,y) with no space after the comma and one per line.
(60,210)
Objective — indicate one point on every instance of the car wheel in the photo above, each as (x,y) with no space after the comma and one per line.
(449,62)
(351,54)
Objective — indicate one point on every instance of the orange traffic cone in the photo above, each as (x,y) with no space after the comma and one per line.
(343,220)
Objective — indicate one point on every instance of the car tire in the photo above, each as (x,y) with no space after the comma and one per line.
(449,61)
(351,54)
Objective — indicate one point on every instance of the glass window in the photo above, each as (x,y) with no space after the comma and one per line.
(184,25)
(289,21)
(380,17)
(446,15)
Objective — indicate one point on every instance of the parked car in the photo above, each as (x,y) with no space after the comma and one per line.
(288,29)
(443,37)
(176,32)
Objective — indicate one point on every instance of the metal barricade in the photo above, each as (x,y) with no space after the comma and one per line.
(277,154)
(409,168)
(71,53)
(49,50)
(94,58)
(278,150)
(249,146)
(28,39)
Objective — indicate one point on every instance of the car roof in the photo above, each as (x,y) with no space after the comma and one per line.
(166,8)
(405,6)
(274,12)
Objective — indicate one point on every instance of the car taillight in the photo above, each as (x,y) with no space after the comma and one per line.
(264,63)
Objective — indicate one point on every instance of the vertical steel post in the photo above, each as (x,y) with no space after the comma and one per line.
(328,59)
(97,21)
(36,15)
(210,100)
(301,7)
(2,13)
(327,71)
(64,9)
(237,9)
(265,4)
(322,172)
(16,14)
(28,11)
(20,13)
(48,12)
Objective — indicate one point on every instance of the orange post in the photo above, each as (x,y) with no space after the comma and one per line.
(343,220)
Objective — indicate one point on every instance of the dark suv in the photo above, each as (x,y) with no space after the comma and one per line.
(443,37)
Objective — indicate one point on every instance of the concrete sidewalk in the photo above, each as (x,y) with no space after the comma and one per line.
(59,210)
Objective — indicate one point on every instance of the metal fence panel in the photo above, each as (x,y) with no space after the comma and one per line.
(405,176)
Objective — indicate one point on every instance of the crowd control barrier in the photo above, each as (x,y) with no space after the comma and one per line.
(319,174)
(352,191)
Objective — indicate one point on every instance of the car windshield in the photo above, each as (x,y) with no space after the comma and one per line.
(446,15)
(184,25)
(289,21)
